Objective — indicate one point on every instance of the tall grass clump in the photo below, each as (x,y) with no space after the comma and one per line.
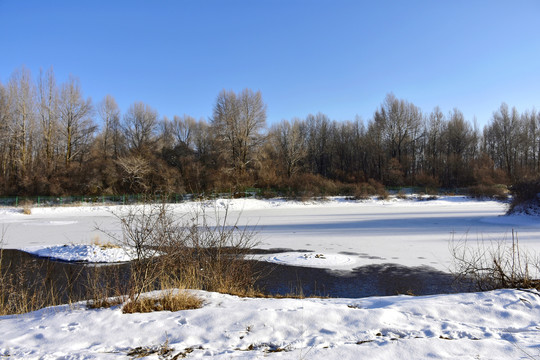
(25,289)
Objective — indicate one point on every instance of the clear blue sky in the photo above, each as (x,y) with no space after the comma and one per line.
(337,57)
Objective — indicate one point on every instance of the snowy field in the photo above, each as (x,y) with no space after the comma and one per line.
(336,234)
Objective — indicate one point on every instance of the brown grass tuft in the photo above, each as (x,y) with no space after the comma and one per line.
(26,207)
(167,300)
(104,245)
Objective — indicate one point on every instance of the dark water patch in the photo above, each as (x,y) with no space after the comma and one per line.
(78,281)
(370,280)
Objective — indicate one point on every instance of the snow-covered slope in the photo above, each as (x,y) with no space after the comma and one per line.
(501,324)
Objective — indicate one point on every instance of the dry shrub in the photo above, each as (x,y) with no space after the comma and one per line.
(495,264)
(268,193)
(499,192)
(485,172)
(383,195)
(526,197)
(364,190)
(210,253)
(428,182)
(307,186)
(401,195)
(200,251)
(346,189)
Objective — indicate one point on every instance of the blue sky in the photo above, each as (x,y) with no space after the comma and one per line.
(336,57)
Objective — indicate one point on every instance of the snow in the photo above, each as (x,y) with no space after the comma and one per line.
(334,234)
(309,259)
(87,253)
(502,324)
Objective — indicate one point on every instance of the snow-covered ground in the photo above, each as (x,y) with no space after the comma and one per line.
(92,253)
(336,234)
(501,324)
(347,234)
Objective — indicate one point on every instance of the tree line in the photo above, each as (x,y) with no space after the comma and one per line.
(51,144)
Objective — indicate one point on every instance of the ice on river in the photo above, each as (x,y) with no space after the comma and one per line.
(346,234)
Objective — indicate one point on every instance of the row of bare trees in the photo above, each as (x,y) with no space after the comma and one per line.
(50,143)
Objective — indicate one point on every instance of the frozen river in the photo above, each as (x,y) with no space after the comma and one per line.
(336,233)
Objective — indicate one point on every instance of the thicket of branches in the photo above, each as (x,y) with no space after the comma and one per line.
(51,144)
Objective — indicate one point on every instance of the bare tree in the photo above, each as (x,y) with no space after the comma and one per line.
(21,121)
(460,143)
(531,133)
(350,150)
(238,123)
(504,131)
(399,122)
(318,139)
(139,127)
(77,126)
(48,109)
(290,144)
(134,171)
(183,130)
(4,132)
(111,134)
(434,147)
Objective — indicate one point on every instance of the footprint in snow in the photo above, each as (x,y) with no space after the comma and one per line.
(71,326)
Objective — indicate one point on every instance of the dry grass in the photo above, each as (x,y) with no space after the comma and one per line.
(26,207)
(105,287)
(167,300)
(25,290)
(163,351)
(402,195)
(20,291)
(104,244)
(105,303)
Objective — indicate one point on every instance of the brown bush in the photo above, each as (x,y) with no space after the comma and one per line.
(306,186)
(525,196)
(485,173)
(371,188)
(428,182)
(499,192)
